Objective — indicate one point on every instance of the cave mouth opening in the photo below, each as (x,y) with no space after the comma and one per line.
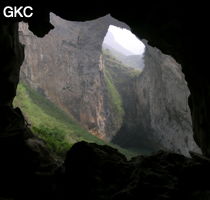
(76,82)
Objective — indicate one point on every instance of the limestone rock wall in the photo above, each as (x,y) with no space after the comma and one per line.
(158,115)
(66,67)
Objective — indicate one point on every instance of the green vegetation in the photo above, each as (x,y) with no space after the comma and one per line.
(114,96)
(116,73)
(54,137)
(45,119)
(55,127)
(110,56)
(111,61)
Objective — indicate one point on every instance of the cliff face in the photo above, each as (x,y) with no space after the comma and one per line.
(156,107)
(66,66)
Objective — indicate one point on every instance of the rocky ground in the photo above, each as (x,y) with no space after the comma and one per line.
(90,171)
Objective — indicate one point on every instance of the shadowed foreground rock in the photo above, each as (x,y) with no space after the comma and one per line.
(23,158)
(100,172)
(90,171)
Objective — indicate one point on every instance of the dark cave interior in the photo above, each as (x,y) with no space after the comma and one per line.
(170,26)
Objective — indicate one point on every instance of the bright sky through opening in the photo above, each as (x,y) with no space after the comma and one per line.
(127,39)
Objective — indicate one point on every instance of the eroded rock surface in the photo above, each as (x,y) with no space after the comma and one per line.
(157,115)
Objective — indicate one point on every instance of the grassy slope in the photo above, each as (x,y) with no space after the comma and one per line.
(112,61)
(51,124)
